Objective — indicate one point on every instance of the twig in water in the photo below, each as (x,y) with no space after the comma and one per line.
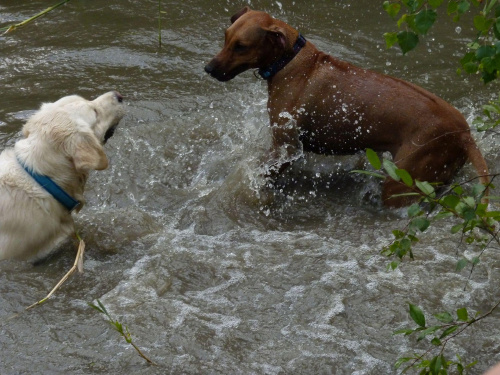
(77,265)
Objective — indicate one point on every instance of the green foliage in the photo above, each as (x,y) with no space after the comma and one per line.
(446,327)
(418,16)
(476,226)
(491,116)
(475,223)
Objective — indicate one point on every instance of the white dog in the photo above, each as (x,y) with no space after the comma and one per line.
(43,177)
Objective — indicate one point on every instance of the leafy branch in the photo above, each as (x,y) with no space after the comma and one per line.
(419,16)
(454,202)
(450,328)
(121,329)
(477,225)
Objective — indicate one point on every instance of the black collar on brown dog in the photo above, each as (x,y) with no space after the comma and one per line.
(274,68)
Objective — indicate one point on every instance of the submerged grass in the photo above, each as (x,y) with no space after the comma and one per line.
(121,329)
(12,28)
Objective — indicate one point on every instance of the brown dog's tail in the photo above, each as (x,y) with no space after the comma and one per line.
(477,160)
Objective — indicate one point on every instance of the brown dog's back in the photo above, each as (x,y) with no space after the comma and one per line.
(339,108)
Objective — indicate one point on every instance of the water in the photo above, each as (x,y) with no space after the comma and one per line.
(184,247)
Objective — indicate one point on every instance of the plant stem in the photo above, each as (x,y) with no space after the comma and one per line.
(78,264)
(159,24)
(17,25)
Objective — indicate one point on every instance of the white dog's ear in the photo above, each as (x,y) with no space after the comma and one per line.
(87,152)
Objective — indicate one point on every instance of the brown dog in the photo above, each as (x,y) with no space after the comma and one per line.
(339,108)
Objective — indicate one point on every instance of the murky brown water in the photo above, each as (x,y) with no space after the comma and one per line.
(180,245)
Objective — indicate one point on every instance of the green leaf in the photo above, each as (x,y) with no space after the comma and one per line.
(469,62)
(492,214)
(424,20)
(402,360)
(402,20)
(390,168)
(390,39)
(463,7)
(102,307)
(470,201)
(369,173)
(435,3)
(393,265)
(436,365)
(398,234)
(373,158)
(427,331)
(407,41)
(481,23)
(485,51)
(414,210)
(448,332)
(469,213)
(425,187)
(444,317)
(452,7)
(461,264)
(457,228)
(405,176)
(392,9)
(96,307)
(443,215)
(450,201)
(471,364)
(462,314)
(421,223)
(404,331)
(417,315)
(436,341)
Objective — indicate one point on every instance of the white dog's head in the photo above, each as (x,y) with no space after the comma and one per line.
(78,128)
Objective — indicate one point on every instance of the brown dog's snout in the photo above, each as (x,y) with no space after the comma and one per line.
(209,68)
(216,70)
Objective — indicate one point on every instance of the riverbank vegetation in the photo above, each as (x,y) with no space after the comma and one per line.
(474,222)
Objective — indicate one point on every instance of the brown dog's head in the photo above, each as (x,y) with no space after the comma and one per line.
(254,40)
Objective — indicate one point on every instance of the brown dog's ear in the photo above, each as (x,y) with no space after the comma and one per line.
(277,36)
(87,153)
(239,14)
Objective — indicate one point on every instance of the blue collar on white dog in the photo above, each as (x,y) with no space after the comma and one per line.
(52,188)
(270,71)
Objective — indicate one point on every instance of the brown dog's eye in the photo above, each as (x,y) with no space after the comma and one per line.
(238,47)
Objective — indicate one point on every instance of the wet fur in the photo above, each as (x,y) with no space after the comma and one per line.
(339,108)
(63,140)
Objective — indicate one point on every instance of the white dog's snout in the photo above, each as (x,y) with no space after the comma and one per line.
(118,96)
